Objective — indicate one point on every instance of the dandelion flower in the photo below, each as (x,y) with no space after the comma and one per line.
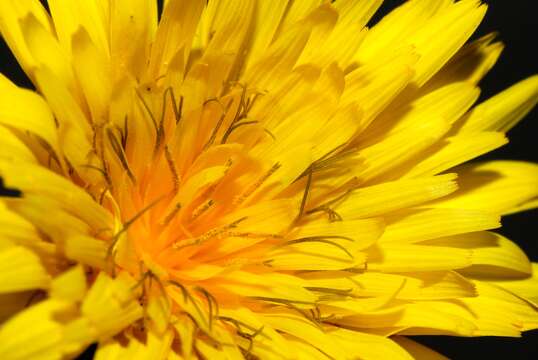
(256,179)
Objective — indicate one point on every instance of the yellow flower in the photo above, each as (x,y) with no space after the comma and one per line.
(256,179)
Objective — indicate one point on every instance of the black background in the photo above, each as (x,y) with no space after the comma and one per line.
(517,24)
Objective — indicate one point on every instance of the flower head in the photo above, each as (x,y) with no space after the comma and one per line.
(256,179)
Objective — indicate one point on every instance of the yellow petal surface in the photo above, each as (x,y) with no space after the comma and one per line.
(498,186)
(390,196)
(504,110)
(416,350)
(410,258)
(155,347)
(21,269)
(33,333)
(493,255)
(419,225)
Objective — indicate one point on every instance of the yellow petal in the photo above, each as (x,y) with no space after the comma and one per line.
(46,51)
(40,181)
(14,148)
(33,333)
(229,351)
(155,346)
(455,150)
(314,256)
(419,225)
(159,311)
(16,228)
(297,11)
(368,346)
(63,225)
(399,147)
(268,16)
(497,186)
(373,86)
(92,16)
(227,32)
(303,329)
(397,25)
(278,61)
(175,32)
(270,344)
(345,39)
(415,318)
(110,304)
(337,131)
(416,350)
(440,38)
(21,269)
(137,20)
(504,110)
(470,63)
(185,329)
(74,130)
(437,30)
(499,312)
(93,75)
(417,258)
(424,285)
(363,232)
(70,286)
(27,111)
(449,102)
(389,196)
(273,285)
(11,12)
(526,287)
(493,255)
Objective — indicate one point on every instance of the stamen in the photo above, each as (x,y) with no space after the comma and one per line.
(177,110)
(106,168)
(333,215)
(148,110)
(218,126)
(233,127)
(211,234)
(125,132)
(238,324)
(50,151)
(70,168)
(211,301)
(150,276)
(250,190)
(160,130)
(120,153)
(173,168)
(168,218)
(305,194)
(280,301)
(202,209)
(270,134)
(187,297)
(253,235)
(216,343)
(250,337)
(96,168)
(239,114)
(290,304)
(340,292)
(127,224)
(102,196)
(318,240)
